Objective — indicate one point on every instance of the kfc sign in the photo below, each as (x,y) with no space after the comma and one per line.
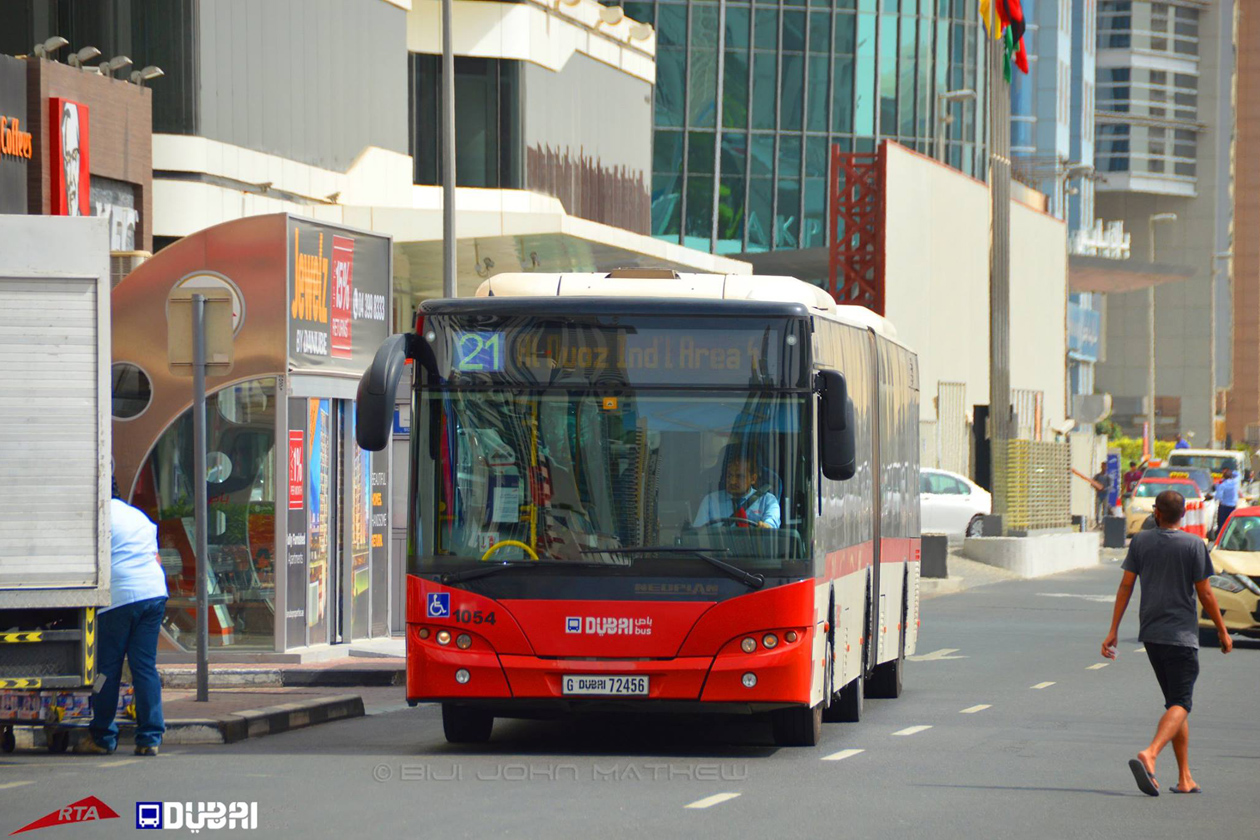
(68,157)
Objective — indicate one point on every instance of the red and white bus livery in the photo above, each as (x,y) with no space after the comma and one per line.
(643,490)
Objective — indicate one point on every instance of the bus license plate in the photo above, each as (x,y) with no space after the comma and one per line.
(604,684)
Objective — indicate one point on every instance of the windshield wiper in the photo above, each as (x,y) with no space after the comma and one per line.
(753,581)
(504,565)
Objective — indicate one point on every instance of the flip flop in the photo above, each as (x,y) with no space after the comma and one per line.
(1195,789)
(1145,781)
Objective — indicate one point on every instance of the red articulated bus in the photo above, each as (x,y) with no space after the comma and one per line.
(644,490)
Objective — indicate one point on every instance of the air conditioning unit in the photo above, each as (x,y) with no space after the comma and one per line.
(122,263)
(1091,408)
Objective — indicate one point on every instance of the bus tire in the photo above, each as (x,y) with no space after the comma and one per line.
(847,707)
(885,680)
(463,725)
(797,726)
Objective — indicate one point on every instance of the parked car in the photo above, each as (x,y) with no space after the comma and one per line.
(1236,584)
(951,504)
(1142,502)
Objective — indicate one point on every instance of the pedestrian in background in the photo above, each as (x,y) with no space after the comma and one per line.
(1173,566)
(1181,443)
(129,627)
(1102,491)
(1131,478)
(1226,497)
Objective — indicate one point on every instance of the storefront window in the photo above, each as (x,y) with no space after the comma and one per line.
(240,476)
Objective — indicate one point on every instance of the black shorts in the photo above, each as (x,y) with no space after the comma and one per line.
(1176,668)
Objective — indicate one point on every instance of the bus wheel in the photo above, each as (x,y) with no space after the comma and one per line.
(798,726)
(463,725)
(847,707)
(886,679)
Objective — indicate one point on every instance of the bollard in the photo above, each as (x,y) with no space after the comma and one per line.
(935,556)
(1113,532)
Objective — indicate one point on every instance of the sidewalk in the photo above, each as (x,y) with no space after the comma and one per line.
(350,671)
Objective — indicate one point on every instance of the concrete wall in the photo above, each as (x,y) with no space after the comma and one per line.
(588,140)
(936,274)
(315,81)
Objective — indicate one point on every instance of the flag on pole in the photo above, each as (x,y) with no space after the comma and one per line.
(1004,21)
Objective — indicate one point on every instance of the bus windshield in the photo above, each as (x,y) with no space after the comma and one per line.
(573,475)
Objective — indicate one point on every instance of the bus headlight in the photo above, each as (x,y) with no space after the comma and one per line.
(770,641)
(462,676)
(749,680)
(748,645)
(444,637)
(790,636)
(463,641)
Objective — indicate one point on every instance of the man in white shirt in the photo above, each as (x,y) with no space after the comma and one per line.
(129,627)
(739,504)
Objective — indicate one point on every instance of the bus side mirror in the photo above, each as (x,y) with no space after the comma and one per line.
(374,404)
(837,447)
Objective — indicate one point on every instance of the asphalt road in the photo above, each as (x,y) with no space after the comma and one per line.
(973,749)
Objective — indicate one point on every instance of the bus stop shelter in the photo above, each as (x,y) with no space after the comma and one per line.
(299,549)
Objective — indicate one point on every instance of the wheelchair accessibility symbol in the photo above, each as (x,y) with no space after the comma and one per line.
(439,605)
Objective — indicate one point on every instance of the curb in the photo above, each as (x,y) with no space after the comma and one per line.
(256,723)
(285,677)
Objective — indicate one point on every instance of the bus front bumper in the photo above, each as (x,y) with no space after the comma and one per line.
(779,677)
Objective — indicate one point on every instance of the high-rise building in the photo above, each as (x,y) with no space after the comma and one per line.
(750,97)
(1242,416)
(1164,134)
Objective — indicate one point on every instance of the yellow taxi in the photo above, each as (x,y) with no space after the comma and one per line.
(1236,584)
(1142,502)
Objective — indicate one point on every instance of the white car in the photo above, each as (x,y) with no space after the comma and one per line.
(951,504)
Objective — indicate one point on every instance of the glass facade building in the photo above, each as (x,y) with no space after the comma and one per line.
(750,97)
(1148,93)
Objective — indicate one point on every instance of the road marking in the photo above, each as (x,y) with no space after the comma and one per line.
(1097,666)
(1098,599)
(1140,650)
(8,785)
(910,730)
(710,801)
(943,653)
(119,763)
(971,710)
(1043,685)
(842,755)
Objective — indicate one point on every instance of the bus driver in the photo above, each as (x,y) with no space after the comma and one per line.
(740,503)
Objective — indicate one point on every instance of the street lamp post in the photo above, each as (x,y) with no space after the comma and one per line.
(449,286)
(1150,330)
(944,118)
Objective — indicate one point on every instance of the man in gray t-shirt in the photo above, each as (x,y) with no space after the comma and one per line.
(1173,566)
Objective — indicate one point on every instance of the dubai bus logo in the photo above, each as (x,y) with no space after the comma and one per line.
(593,625)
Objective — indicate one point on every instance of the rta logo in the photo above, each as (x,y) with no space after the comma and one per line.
(85,810)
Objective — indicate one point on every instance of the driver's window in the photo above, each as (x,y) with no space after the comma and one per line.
(943,484)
